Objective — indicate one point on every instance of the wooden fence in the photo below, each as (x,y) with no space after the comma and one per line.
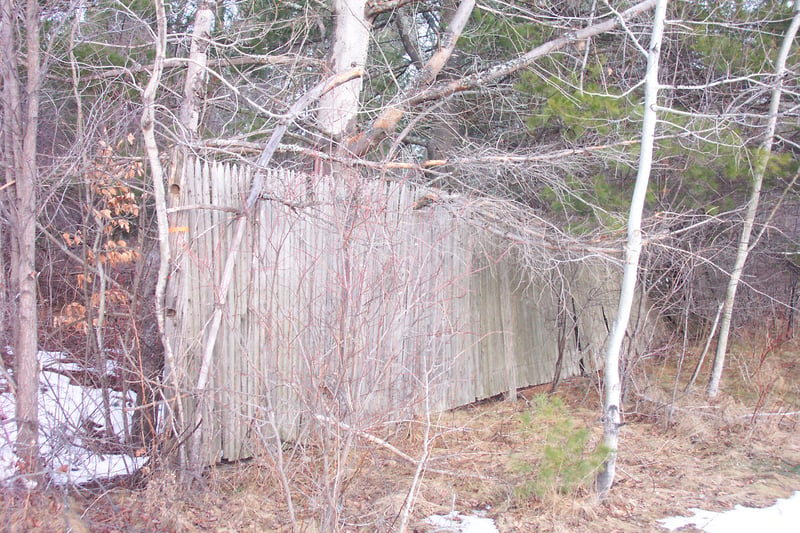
(353,303)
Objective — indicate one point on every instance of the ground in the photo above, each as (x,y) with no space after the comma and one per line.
(505,459)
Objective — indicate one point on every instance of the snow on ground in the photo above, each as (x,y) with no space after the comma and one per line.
(783,517)
(69,415)
(459,523)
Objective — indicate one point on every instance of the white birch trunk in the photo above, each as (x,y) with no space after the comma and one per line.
(159,195)
(743,249)
(339,107)
(611,416)
(196,71)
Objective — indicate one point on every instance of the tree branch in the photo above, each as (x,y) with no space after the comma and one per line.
(376,7)
(176,62)
(389,119)
(504,69)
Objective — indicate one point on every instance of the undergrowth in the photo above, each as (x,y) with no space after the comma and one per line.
(568,462)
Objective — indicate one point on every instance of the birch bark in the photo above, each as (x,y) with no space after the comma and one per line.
(612,415)
(339,107)
(743,249)
(196,71)
(159,195)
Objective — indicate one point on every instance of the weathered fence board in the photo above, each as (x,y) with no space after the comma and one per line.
(350,304)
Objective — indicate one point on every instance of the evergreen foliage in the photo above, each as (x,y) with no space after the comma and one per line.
(567,463)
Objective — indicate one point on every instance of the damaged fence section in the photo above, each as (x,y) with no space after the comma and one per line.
(356,303)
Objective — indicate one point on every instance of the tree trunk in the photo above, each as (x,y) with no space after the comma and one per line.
(743,249)
(339,107)
(20,129)
(155,350)
(157,173)
(194,85)
(12,119)
(612,415)
(391,116)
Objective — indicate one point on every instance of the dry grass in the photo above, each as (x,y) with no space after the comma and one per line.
(709,455)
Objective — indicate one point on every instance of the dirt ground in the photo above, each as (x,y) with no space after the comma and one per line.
(485,457)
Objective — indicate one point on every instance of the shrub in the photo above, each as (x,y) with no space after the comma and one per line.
(567,462)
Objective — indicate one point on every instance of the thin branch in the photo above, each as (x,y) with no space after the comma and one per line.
(55,240)
(176,62)
(625,27)
(376,7)
(428,164)
(509,67)
(774,210)
(396,451)
(389,118)
(705,349)
(743,247)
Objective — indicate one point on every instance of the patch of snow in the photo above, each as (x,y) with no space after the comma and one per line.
(61,362)
(68,414)
(782,517)
(455,522)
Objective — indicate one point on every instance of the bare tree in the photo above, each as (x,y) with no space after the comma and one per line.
(612,419)
(194,86)
(148,125)
(759,170)
(20,130)
(442,102)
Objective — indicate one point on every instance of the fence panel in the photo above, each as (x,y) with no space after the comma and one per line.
(351,305)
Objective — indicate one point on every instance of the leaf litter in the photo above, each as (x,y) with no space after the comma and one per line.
(481,455)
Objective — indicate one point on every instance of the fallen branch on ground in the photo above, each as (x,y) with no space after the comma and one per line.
(383,444)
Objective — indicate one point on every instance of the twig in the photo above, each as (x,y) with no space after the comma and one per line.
(383,444)
(174,62)
(785,413)
(366,436)
(12,385)
(52,238)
